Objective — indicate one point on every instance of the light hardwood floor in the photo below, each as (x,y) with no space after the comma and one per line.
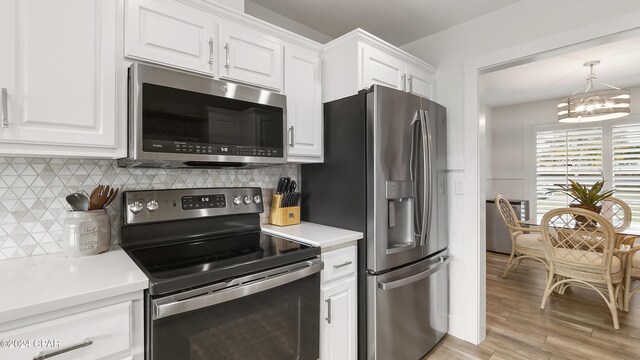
(576,325)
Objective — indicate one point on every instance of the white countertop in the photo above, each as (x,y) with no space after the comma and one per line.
(39,284)
(315,234)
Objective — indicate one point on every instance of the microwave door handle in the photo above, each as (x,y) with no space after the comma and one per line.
(413,168)
(168,306)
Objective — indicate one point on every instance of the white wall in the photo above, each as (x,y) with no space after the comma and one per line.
(524,22)
(511,168)
(272,17)
(510,132)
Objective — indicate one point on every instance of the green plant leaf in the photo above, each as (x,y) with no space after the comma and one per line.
(583,194)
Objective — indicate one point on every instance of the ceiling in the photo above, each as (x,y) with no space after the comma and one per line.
(560,76)
(398,22)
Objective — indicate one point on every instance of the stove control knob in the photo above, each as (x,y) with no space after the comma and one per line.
(237,200)
(247,200)
(136,207)
(152,205)
(257,199)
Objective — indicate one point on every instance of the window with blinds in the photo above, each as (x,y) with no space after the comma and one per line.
(562,155)
(626,168)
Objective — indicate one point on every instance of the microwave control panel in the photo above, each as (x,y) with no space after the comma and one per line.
(178,147)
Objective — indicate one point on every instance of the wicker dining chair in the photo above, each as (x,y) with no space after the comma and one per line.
(617,212)
(525,242)
(632,272)
(580,247)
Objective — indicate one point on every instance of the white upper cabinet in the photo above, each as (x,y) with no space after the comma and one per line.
(381,68)
(61,72)
(303,89)
(250,57)
(419,81)
(171,33)
(357,60)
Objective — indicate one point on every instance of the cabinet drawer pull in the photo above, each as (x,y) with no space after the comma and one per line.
(211,51)
(291,136)
(49,354)
(410,80)
(404,82)
(5,111)
(228,61)
(342,265)
(328,318)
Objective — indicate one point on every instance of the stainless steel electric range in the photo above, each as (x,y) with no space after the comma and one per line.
(219,288)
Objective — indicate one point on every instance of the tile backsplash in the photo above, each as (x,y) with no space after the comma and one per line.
(33,191)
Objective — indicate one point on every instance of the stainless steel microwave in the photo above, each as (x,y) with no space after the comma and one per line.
(180,120)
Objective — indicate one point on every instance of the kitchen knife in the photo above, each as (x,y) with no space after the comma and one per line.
(279,189)
(283,200)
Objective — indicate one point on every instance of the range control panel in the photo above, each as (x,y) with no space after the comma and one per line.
(177,204)
(213,201)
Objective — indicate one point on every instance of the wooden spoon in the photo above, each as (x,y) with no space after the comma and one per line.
(97,199)
(113,196)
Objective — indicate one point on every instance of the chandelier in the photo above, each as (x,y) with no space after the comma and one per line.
(590,104)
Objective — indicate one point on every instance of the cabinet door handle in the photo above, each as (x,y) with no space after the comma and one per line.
(49,354)
(342,265)
(211,51)
(5,111)
(328,318)
(404,82)
(410,80)
(228,61)
(291,136)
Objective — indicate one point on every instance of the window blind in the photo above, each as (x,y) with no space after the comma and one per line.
(626,168)
(562,155)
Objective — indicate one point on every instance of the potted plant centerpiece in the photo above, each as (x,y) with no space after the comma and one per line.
(584,196)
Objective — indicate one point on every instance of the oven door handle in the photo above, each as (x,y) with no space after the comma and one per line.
(235,289)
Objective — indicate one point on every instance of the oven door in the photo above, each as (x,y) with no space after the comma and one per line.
(269,315)
(193,120)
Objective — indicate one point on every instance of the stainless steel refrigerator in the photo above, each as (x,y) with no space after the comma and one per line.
(384,173)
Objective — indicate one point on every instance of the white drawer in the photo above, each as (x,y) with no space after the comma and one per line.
(88,335)
(339,263)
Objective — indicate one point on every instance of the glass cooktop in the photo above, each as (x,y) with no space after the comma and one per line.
(184,265)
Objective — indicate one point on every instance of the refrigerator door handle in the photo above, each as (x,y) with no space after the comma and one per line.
(428,183)
(417,121)
(426,180)
(444,261)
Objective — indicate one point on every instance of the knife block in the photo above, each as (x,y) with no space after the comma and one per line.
(283,216)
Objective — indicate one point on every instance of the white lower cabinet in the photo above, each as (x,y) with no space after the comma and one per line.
(112,331)
(338,336)
(338,339)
